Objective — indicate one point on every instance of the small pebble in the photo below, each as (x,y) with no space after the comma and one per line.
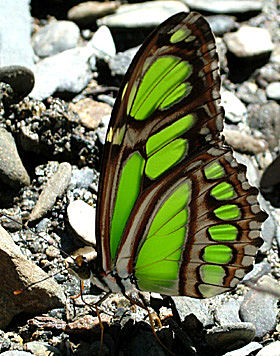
(230,337)
(199,308)
(41,348)
(235,110)
(86,13)
(56,37)
(148,14)
(103,42)
(273,91)
(22,272)
(91,112)
(249,41)
(225,7)
(20,78)
(54,188)
(242,142)
(260,308)
(221,24)
(68,71)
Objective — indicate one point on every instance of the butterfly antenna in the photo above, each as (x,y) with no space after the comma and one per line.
(19,291)
(26,227)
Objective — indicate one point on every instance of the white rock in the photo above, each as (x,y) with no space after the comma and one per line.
(81,217)
(225,7)
(273,91)
(66,71)
(103,42)
(249,41)
(272,349)
(148,14)
(55,37)
(235,110)
(275,56)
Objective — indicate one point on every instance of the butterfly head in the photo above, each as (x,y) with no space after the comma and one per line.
(82,263)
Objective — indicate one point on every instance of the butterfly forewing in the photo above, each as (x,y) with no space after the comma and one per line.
(167,184)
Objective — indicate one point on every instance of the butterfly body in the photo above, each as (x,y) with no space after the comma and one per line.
(175,213)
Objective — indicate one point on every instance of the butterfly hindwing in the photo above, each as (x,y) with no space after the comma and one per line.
(161,142)
(203,230)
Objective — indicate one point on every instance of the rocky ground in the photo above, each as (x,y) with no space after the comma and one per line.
(51,139)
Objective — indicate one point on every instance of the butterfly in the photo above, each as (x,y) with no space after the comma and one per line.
(175,212)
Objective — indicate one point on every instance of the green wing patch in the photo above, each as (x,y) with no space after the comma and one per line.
(126,197)
(161,86)
(158,259)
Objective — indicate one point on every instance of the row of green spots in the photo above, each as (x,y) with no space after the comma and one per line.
(220,254)
(223,191)
(212,274)
(214,171)
(225,232)
(162,84)
(183,34)
(227,212)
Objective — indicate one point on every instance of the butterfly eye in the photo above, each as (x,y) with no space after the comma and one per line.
(80,260)
(81,263)
(78,266)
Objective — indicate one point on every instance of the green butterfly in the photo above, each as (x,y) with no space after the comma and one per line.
(175,214)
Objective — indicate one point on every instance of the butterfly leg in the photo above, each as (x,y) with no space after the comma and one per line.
(82,286)
(102,330)
(95,305)
(142,303)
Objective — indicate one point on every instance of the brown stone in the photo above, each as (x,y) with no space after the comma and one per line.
(91,112)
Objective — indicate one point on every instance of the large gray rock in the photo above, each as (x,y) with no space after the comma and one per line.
(15,32)
(225,7)
(148,14)
(68,71)
(16,272)
(260,308)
